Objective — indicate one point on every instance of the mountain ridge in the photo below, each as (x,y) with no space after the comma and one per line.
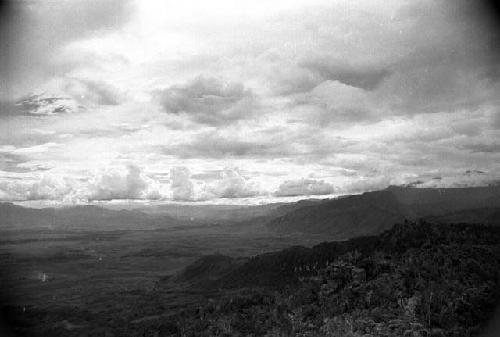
(82,217)
(373,212)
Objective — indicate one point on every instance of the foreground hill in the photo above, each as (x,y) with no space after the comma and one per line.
(206,271)
(373,212)
(412,280)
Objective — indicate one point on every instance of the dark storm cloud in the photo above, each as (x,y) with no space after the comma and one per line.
(32,32)
(208,101)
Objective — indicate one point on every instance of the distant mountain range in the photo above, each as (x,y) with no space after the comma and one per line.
(205,213)
(344,217)
(80,217)
(373,212)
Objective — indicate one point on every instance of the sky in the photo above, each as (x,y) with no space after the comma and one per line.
(245,101)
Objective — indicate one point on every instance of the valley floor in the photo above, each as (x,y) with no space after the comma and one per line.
(414,280)
(96,282)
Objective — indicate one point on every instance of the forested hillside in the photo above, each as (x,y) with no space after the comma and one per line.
(412,280)
(373,212)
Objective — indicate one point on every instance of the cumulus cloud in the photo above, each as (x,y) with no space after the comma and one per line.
(208,101)
(232,185)
(181,184)
(291,188)
(130,183)
(227,183)
(13,190)
(122,185)
(44,188)
(48,188)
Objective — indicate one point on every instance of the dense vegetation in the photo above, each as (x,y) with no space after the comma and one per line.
(416,279)
(413,280)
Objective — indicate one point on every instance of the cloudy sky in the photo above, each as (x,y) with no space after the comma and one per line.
(245,101)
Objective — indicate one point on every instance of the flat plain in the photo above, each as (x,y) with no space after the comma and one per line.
(68,275)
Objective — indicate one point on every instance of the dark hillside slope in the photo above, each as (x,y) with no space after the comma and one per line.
(416,279)
(364,214)
(437,201)
(284,268)
(373,212)
(487,216)
(208,268)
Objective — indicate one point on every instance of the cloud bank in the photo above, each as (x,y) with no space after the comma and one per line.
(263,100)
